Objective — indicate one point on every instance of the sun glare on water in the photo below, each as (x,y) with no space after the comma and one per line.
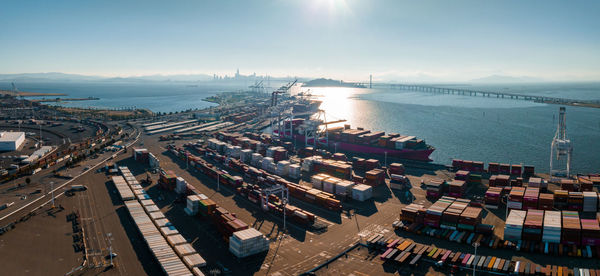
(336,101)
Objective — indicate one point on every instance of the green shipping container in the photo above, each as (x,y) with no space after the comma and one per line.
(466,227)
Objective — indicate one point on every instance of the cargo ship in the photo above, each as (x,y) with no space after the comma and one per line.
(304,106)
(364,142)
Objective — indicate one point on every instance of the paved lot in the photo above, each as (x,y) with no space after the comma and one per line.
(303,250)
(102,214)
(43,245)
(361,262)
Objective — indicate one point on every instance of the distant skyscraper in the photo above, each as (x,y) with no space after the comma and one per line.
(237,73)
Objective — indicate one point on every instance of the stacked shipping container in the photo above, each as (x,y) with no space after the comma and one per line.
(493,197)
(571,228)
(513,227)
(451,215)
(532,229)
(434,213)
(552,227)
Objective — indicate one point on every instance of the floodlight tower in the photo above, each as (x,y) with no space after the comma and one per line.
(561,148)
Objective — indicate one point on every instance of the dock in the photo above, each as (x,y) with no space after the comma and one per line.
(502,95)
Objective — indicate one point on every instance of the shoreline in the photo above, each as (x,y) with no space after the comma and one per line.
(65,99)
(29,94)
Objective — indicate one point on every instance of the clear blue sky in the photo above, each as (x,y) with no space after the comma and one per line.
(446,40)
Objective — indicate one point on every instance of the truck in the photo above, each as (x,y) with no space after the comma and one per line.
(76,188)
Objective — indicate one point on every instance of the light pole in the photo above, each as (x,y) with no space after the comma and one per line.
(506,211)
(109,235)
(52,190)
(218,182)
(284,203)
(475,245)
(385,160)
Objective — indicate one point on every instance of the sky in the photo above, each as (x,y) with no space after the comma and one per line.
(343,39)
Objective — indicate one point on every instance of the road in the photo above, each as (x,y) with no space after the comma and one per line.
(30,204)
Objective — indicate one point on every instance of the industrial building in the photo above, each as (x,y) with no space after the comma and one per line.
(10,141)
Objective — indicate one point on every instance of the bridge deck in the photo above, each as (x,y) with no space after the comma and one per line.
(518,96)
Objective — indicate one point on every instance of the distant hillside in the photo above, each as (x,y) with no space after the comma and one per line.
(322,82)
(62,77)
(505,79)
(52,76)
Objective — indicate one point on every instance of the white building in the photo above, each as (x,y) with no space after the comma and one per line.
(10,141)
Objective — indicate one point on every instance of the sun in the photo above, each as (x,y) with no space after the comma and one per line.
(331,7)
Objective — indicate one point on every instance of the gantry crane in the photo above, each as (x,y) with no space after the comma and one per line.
(283,193)
(561,148)
(314,135)
(275,109)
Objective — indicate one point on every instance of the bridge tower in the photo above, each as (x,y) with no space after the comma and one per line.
(561,148)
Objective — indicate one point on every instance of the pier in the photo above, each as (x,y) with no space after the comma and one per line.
(503,95)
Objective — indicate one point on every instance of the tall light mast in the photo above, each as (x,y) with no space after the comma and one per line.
(561,148)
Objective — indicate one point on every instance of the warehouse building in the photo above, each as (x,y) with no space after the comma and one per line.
(10,141)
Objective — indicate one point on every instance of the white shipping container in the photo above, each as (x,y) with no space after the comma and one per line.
(294,171)
(266,161)
(344,187)
(552,227)
(246,156)
(329,184)
(248,242)
(194,260)
(317,181)
(283,168)
(513,227)
(362,192)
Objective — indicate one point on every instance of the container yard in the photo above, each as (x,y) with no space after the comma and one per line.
(447,208)
(255,203)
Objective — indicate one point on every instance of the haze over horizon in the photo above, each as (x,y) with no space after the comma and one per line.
(393,40)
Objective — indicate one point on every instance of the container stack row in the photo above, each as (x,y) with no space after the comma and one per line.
(185,253)
(513,227)
(413,213)
(435,188)
(470,219)
(457,188)
(333,185)
(123,189)
(433,215)
(248,242)
(446,213)
(554,227)
(339,169)
(169,261)
(493,197)
(494,168)
(452,214)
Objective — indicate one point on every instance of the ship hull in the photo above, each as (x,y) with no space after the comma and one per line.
(408,154)
(418,155)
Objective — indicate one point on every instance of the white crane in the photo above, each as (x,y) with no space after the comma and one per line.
(561,148)
(283,193)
